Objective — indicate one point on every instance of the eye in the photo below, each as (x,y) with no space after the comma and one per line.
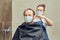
(29,15)
(40,10)
(25,15)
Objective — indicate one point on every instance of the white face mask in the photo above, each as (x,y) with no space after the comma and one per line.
(28,18)
(39,12)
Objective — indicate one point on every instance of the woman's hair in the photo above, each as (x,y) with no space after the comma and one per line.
(29,9)
(42,5)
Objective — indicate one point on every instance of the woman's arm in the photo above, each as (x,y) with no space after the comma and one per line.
(48,21)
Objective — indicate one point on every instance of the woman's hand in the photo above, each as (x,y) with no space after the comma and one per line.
(48,21)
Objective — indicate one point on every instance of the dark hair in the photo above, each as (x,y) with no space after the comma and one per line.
(42,5)
(29,9)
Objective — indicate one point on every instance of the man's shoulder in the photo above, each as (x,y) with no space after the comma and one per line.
(21,25)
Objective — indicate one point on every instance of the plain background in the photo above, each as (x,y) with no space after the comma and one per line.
(52,12)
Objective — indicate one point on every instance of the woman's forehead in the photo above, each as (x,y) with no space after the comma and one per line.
(41,8)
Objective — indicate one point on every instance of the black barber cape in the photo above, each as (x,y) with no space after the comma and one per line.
(34,31)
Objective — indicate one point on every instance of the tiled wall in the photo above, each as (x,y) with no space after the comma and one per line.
(5,19)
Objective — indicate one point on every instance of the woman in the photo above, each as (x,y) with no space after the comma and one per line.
(40,9)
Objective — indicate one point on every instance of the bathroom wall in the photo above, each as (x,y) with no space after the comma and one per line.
(5,19)
(52,12)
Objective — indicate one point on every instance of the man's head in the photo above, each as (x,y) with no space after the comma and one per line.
(29,15)
(41,7)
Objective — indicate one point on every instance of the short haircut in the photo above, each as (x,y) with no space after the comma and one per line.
(29,9)
(42,5)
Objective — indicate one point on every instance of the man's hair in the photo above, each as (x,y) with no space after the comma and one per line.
(29,9)
(42,5)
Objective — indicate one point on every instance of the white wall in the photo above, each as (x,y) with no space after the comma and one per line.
(52,12)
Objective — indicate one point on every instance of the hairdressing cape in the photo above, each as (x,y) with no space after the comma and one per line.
(34,31)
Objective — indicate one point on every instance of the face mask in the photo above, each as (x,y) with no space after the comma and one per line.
(39,12)
(28,18)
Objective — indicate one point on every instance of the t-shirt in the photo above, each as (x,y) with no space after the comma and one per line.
(43,20)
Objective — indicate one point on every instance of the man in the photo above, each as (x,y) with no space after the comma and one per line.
(41,17)
(29,30)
